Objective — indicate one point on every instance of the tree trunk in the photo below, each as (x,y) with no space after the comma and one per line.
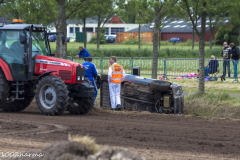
(84,32)
(98,32)
(193,39)
(139,37)
(201,50)
(155,43)
(159,39)
(61,26)
(211,31)
(239,34)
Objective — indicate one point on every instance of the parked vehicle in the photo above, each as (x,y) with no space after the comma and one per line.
(68,39)
(29,69)
(177,40)
(110,39)
(52,38)
(72,40)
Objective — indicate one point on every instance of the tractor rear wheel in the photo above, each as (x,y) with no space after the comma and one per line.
(51,95)
(81,105)
(12,106)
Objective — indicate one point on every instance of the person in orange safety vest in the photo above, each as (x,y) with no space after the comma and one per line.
(115,75)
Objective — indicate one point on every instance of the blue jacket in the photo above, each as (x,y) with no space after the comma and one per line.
(84,53)
(213,64)
(90,69)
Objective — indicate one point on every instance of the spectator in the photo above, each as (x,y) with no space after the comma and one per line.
(226,60)
(91,73)
(212,66)
(115,76)
(83,53)
(235,58)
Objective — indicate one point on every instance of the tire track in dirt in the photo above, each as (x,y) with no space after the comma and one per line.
(40,127)
(152,135)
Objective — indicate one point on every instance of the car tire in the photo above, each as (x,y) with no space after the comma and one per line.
(158,85)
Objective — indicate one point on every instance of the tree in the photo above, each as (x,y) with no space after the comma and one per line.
(201,34)
(216,15)
(235,15)
(161,8)
(66,9)
(142,17)
(104,12)
(127,11)
(29,10)
(195,15)
(83,14)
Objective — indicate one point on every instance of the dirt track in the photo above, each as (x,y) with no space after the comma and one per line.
(154,136)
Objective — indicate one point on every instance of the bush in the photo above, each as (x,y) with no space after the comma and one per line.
(132,41)
(147,52)
(102,37)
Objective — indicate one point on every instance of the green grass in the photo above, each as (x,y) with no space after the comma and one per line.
(120,50)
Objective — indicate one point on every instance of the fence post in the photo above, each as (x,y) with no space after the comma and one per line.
(101,65)
(131,60)
(70,58)
(165,68)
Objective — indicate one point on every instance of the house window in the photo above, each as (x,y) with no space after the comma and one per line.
(77,29)
(106,31)
(71,29)
(115,30)
(88,29)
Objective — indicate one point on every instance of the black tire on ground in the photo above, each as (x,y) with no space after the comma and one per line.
(51,95)
(104,77)
(14,106)
(81,105)
(158,85)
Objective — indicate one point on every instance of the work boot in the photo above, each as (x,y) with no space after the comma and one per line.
(119,107)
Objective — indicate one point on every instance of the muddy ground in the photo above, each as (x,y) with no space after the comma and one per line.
(154,136)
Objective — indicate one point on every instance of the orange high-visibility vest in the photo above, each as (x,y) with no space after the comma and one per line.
(117,73)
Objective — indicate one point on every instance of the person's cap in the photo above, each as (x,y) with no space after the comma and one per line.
(231,44)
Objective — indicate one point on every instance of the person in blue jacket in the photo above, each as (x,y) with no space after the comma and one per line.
(212,66)
(83,53)
(91,73)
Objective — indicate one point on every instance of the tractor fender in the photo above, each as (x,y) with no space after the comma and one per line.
(42,75)
(6,70)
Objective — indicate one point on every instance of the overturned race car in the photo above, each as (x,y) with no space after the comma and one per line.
(145,94)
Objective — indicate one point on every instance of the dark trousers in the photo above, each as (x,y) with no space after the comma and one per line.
(226,63)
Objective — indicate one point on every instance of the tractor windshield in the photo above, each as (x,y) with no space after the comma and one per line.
(39,45)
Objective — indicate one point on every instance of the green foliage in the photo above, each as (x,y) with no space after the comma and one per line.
(234,39)
(132,41)
(219,37)
(31,11)
(226,37)
(169,52)
(102,38)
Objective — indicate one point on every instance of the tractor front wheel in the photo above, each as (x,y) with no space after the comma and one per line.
(51,95)
(81,105)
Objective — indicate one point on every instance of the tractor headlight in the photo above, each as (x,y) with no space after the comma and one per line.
(80,75)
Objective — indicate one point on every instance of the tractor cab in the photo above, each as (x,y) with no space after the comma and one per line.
(20,43)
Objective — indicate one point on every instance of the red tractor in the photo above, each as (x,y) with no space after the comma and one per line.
(28,69)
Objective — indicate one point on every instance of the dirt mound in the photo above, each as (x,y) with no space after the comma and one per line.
(67,150)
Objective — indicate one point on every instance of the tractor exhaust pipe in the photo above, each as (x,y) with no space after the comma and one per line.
(30,55)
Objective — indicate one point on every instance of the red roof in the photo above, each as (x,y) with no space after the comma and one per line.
(115,20)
